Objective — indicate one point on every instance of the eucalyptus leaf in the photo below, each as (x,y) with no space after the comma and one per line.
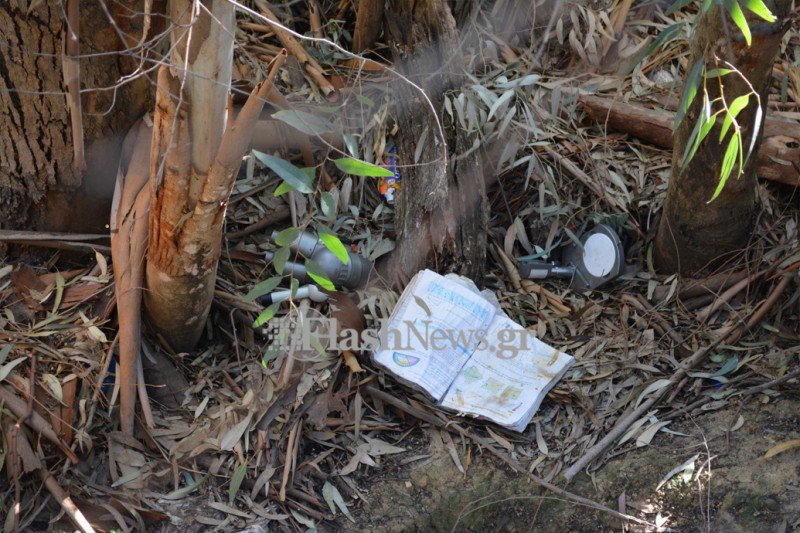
(690,91)
(328,204)
(759,8)
(735,11)
(727,165)
(334,244)
(305,122)
(266,315)
(236,481)
(287,236)
(734,109)
(292,175)
(280,258)
(260,289)
(356,167)
(318,275)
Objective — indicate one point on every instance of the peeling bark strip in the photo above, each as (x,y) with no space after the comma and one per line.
(72,80)
(128,244)
(368,24)
(196,150)
(442,209)
(692,233)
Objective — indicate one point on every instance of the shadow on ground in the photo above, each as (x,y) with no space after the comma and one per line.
(737,493)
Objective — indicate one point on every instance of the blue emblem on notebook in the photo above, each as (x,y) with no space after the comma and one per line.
(405,360)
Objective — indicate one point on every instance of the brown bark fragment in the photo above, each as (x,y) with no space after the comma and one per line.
(369,19)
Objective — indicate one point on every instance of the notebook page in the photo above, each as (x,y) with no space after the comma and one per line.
(428,350)
(502,388)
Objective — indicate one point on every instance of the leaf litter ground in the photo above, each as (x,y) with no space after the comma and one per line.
(249,445)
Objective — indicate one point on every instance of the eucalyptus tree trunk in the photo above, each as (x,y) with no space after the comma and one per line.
(694,234)
(39,185)
(189,123)
(196,149)
(442,208)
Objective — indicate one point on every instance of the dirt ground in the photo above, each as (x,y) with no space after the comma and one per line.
(734,491)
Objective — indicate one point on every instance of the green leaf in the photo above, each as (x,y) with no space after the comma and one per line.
(756,129)
(667,34)
(280,258)
(318,275)
(677,6)
(351,143)
(738,18)
(734,109)
(328,205)
(690,91)
(718,72)
(282,189)
(332,243)
(236,481)
(758,7)
(305,122)
(706,6)
(364,100)
(289,173)
(705,124)
(727,166)
(182,492)
(356,167)
(260,289)
(701,128)
(271,353)
(266,315)
(287,236)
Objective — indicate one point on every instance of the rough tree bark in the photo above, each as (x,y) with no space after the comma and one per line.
(442,209)
(693,234)
(38,185)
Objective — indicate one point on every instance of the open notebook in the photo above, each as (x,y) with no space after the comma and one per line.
(450,341)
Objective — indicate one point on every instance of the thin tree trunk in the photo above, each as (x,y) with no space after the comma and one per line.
(693,233)
(197,148)
(188,127)
(442,209)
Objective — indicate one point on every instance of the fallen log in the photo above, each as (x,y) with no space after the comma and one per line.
(778,158)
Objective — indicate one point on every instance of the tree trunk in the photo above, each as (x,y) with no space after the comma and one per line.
(196,150)
(442,209)
(38,184)
(368,24)
(188,126)
(693,234)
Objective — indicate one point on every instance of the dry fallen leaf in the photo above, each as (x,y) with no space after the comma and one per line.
(780,448)
(351,362)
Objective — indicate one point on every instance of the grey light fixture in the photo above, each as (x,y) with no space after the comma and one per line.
(598,259)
